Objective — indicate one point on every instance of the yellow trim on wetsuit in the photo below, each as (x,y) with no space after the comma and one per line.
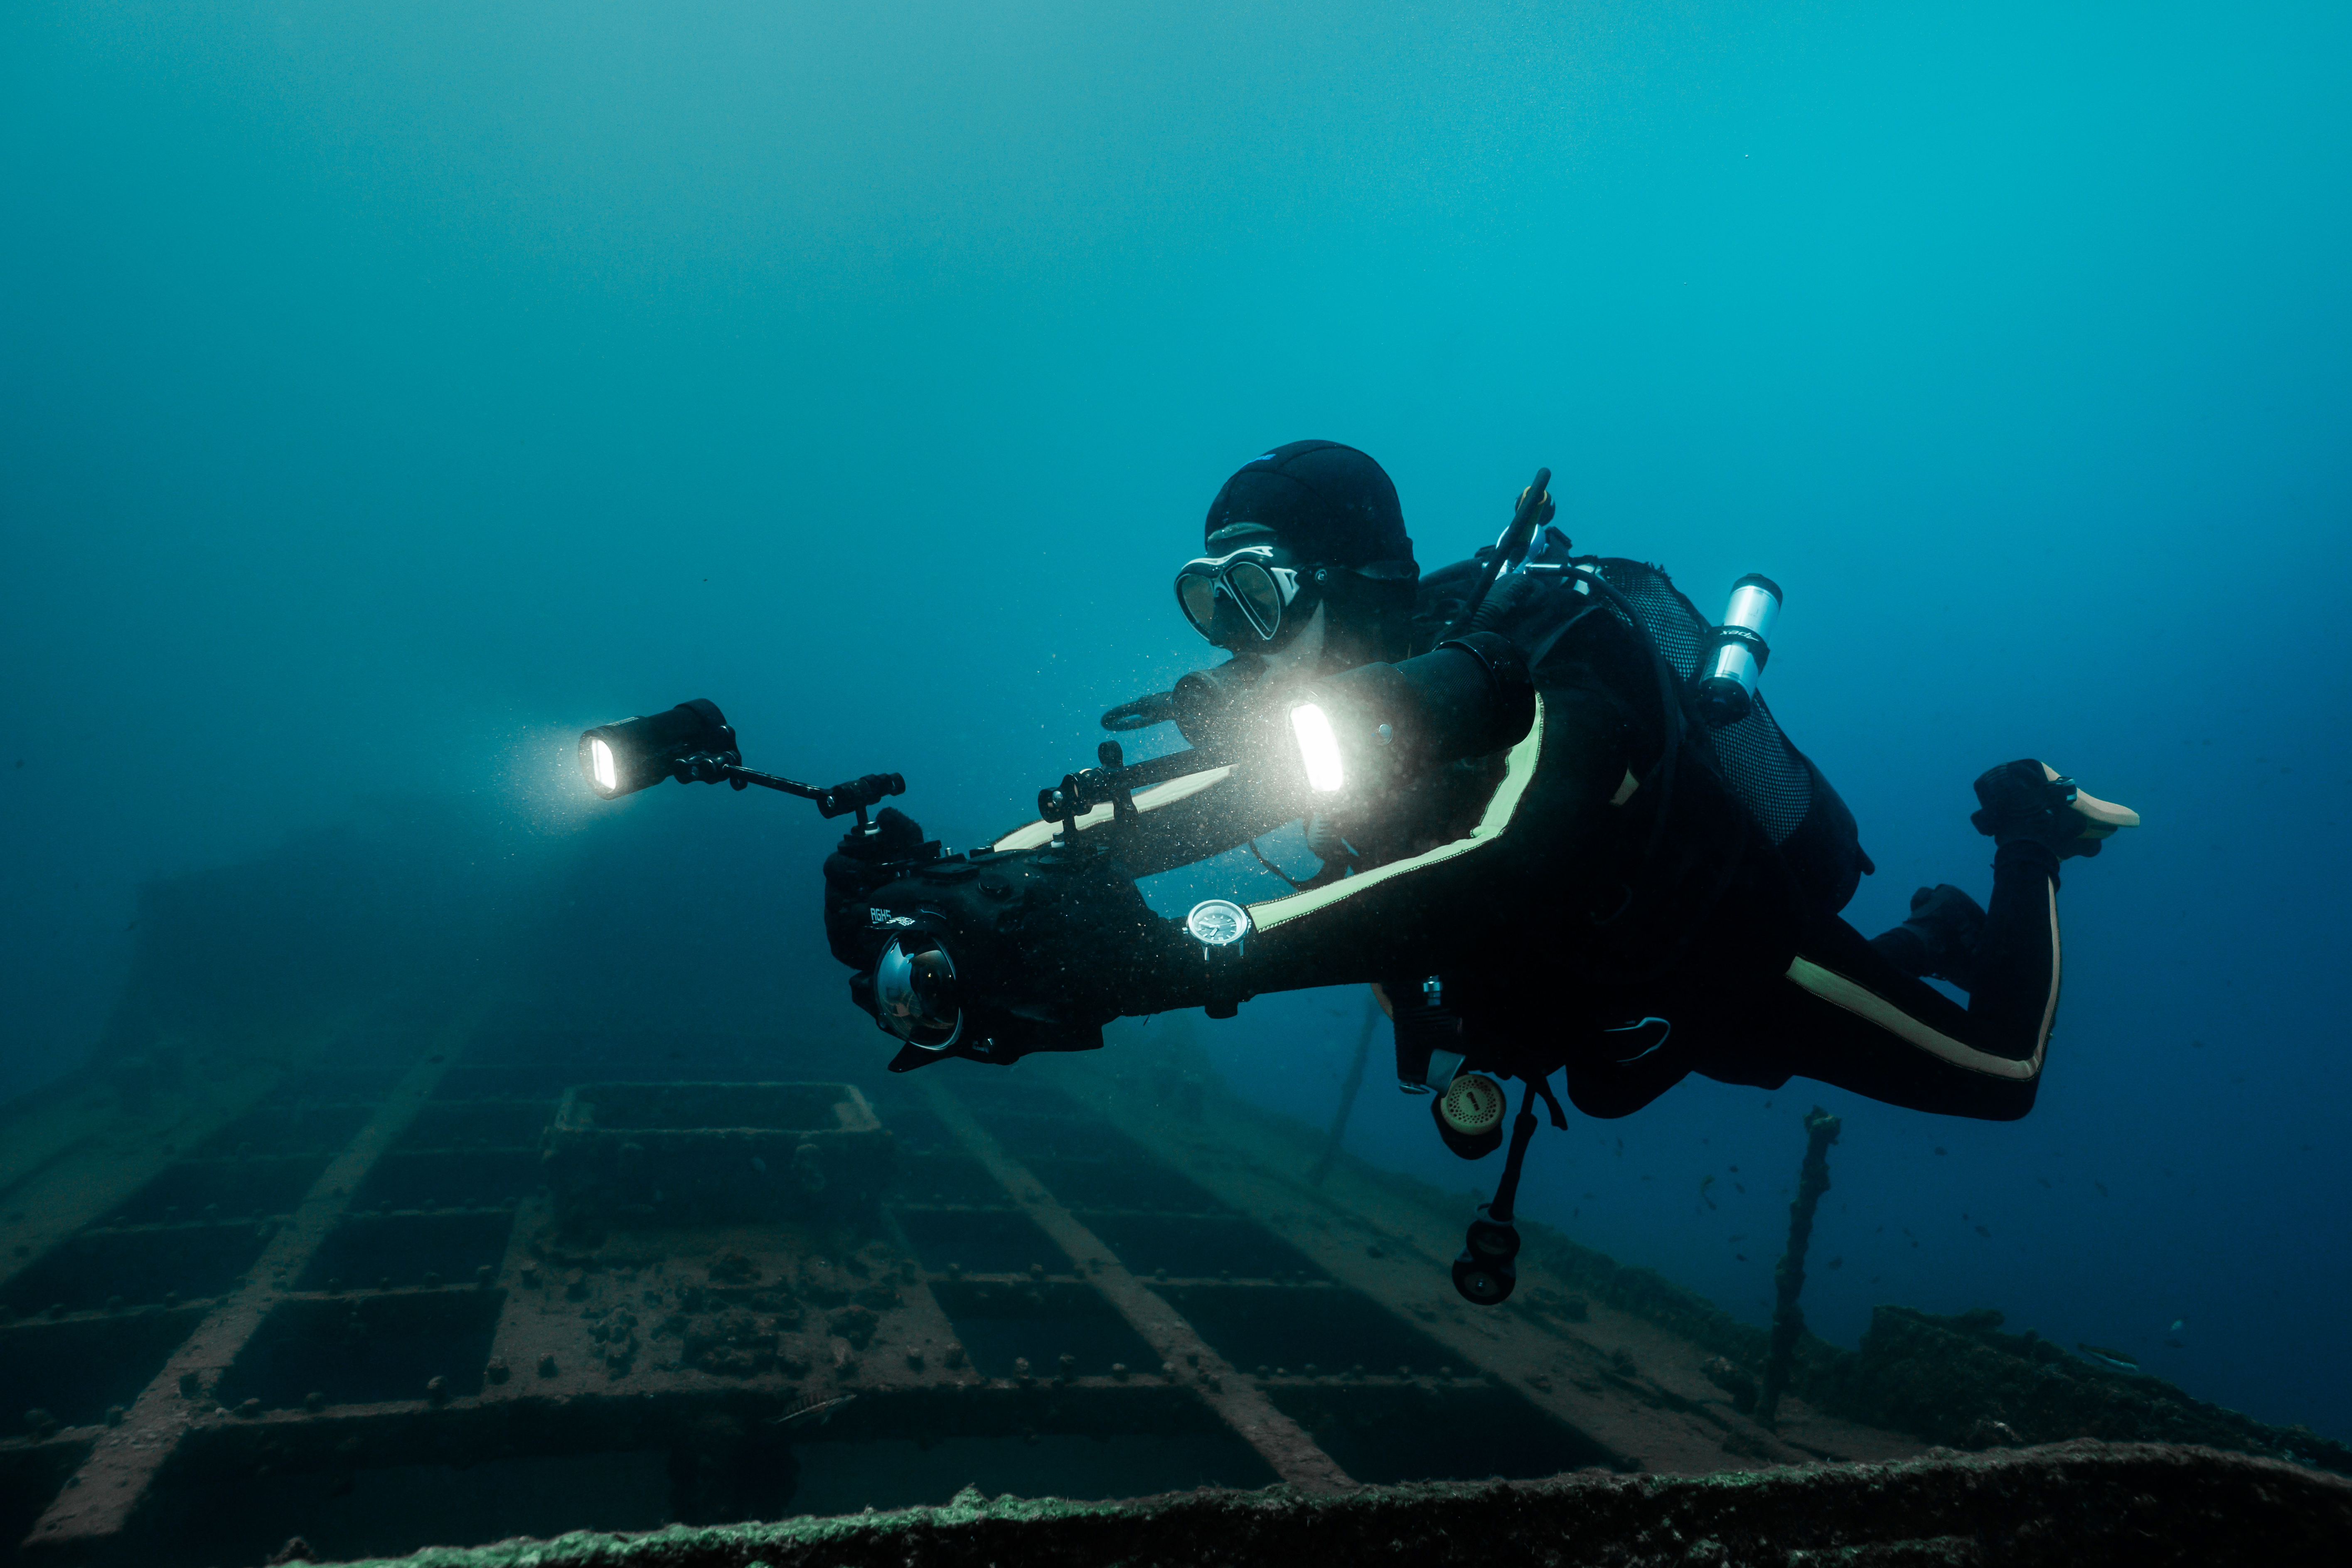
(1872,1008)
(1518,772)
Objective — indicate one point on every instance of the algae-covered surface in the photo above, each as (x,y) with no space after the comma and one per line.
(2083,1502)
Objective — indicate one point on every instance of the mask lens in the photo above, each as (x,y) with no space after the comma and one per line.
(1197,592)
(1259,595)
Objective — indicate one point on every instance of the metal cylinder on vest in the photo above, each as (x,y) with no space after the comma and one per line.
(1736,657)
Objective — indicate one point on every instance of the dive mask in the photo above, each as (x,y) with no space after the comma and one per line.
(1237,598)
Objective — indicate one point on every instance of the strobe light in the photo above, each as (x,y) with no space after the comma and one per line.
(1369,729)
(1727,676)
(624,757)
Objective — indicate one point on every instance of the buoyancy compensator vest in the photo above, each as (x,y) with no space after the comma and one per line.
(1785,797)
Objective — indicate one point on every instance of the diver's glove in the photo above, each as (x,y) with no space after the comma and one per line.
(1046,947)
(862,865)
(1093,951)
(2034,801)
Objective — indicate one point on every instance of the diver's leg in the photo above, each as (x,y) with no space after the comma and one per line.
(1939,942)
(2006,959)
(1843,1015)
(1855,1014)
(2015,999)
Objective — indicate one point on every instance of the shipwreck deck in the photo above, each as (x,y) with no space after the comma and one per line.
(437,1303)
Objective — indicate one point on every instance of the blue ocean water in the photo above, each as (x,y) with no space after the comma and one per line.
(391,390)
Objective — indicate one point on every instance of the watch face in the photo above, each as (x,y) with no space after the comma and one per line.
(1218,923)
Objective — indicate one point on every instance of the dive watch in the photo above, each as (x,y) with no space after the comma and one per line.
(1219,925)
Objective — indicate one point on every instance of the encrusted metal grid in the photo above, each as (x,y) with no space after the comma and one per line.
(356,1314)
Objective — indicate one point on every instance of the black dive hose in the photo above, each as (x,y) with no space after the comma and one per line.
(1523,1133)
(1502,604)
(1670,707)
(1526,518)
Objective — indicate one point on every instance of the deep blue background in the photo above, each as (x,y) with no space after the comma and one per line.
(392,389)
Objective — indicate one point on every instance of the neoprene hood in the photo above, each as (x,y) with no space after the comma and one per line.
(1324,501)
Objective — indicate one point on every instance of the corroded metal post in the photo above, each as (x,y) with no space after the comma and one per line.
(1788,1275)
(1355,1081)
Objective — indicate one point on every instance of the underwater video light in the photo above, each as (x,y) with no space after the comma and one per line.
(1319,748)
(1376,725)
(693,742)
(624,757)
(1726,675)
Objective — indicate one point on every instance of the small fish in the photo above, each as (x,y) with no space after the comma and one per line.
(1983,1232)
(2102,1186)
(759,1164)
(821,1409)
(2107,1357)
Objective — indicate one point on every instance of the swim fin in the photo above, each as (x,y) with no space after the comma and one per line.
(2032,800)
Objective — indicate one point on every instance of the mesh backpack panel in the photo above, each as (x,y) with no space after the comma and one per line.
(1770,777)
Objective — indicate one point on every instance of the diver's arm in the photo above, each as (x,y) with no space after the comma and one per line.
(1186,819)
(1072,941)
(1529,856)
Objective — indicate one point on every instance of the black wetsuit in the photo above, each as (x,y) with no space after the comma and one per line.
(1572,928)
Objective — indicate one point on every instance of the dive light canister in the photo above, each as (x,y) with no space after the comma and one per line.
(1741,644)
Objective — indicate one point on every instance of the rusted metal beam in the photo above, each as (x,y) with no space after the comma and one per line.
(1239,1402)
(100,1497)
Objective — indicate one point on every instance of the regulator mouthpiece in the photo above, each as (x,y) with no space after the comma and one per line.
(1727,674)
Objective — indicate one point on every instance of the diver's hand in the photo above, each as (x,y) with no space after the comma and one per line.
(862,865)
(1043,944)
(1095,951)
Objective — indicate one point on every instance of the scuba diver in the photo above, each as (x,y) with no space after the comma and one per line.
(1637,884)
